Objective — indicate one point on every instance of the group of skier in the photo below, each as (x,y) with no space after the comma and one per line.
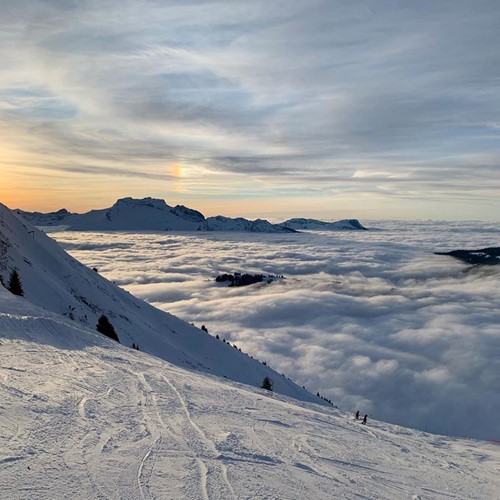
(364,418)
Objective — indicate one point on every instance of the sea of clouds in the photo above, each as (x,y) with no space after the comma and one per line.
(372,320)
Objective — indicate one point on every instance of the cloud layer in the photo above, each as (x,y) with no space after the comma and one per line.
(374,321)
(201,100)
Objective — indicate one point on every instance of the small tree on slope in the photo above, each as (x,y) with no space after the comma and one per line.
(267,383)
(14,286)
(105,327)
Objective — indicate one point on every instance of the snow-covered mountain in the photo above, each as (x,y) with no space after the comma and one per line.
(147,214)
(220,223)
(84,417)
(60,218)
(318,225)
(150,214)
(54,280)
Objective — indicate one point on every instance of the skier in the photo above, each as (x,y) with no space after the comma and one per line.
(357,415)
(364,420)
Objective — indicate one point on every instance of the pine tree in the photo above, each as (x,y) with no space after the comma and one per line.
(14,286)
(267,384)
(105,327)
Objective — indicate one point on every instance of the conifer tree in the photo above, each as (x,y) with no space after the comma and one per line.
(14,286)
(105,327)
(267,384)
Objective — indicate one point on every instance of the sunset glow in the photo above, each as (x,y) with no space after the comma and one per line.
(328,111)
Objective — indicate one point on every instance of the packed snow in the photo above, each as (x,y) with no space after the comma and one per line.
(84,417)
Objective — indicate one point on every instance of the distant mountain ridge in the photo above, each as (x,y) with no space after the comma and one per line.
(485,256)
(319,225)
(152,214)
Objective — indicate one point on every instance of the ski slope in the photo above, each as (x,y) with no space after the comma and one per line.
(59,283)
(84,417)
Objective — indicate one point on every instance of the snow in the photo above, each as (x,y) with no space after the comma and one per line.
(318,225)
(84,417)
(150,214)
(147,214)
(57,282)
(220,223)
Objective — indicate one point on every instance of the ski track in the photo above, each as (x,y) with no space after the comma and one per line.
(144,486)
(109,425)
(145,391)
(203,478)
(207,454)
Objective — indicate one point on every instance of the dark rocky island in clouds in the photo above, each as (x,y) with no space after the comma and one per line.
(150,214)
(485,256)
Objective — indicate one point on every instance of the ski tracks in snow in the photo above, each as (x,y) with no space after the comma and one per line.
(154,427)
(176,441)
(208,457)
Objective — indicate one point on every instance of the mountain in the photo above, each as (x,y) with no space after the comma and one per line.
(84,417)
(220,223)
(60,218)
(485,256)
(318,225)
(54,280)
(150,214)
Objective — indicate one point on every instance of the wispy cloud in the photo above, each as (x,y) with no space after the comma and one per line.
(317,90)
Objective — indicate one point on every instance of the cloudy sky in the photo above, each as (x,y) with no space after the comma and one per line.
(373,320)
(321,108)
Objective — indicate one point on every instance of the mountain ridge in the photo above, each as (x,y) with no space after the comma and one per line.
(153,214)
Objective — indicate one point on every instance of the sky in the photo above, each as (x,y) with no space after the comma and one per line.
(373,320)
(379,109)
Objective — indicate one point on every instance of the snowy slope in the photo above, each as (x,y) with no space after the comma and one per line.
(83,417)
(318,225)
(60,218)
(56,281)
